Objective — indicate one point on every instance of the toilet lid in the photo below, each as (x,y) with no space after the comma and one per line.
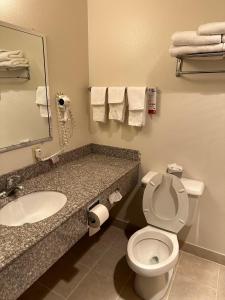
(165,203)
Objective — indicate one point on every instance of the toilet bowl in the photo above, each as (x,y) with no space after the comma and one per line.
(152,252)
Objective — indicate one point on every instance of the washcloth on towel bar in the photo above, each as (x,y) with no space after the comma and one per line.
(212,28)
(117,105)
(98,102)
(6,55)
(184,50)
(137,106)
(191,38)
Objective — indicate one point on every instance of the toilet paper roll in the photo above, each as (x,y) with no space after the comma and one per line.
(98,215)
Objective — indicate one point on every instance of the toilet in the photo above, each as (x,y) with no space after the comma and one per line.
(152,252)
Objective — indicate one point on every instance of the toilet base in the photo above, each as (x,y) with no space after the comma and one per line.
(152,288)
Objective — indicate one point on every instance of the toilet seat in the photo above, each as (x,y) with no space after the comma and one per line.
(163,239)
(176,223)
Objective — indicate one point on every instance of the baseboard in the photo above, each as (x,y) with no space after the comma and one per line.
(202,252)
(187,247)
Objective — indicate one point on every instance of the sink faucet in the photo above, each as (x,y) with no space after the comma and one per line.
(11,186)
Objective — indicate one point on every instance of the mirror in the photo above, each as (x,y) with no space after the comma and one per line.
(24,102)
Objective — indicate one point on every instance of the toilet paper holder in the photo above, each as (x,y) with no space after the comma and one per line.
(91,220)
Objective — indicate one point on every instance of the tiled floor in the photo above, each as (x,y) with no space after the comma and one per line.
(96,269)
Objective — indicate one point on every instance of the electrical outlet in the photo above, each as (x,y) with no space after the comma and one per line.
(38,153)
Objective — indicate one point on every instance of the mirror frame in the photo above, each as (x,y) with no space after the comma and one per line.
(50,137)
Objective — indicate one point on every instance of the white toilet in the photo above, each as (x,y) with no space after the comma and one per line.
(152,252)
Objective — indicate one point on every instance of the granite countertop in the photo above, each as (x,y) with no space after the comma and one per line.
(81,180)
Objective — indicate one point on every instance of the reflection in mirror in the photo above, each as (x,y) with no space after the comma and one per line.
(24,104)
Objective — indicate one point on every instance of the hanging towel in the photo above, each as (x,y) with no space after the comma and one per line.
(41,101)
(191,38)
(14,63)
(98,102)
(10,54)
(137,106)
(184,50)
(212,28)
(117,105)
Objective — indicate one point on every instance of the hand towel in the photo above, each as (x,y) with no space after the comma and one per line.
(137,106)
(212,28)
(117,105)
(98,95)
(136,98)
(184,50)
(98,103)
(99,113)
(14,63)
(137,118)
(8,54)
(191,38)
(41,96)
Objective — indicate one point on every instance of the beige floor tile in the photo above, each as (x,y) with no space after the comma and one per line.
(89,250)
(114,265)
(184,288)
(198,269)
(221,284)
(39,292)
(128,293)
(95,287)
(64,276)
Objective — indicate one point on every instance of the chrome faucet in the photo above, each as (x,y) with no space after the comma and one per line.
(11,186)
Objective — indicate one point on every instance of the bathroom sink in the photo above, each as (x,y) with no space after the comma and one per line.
(32,208)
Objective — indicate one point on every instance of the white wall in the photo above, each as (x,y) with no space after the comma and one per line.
(128,45)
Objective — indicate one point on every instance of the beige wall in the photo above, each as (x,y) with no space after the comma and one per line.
(65,25)
(128,45)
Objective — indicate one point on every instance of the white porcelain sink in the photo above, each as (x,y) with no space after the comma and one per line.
(32,208)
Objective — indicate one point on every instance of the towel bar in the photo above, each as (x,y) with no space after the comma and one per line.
(180,60)
(17,75)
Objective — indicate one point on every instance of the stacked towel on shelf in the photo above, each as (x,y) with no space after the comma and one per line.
(184,50)
(213,28)
(191,38)
(137,106)
(117,105)
(207,39)
(98,103)
(12,59)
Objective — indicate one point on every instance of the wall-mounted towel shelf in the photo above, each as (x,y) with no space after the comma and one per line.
(15,72)
(198,56)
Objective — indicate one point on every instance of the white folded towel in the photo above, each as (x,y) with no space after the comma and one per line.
(98,102)
(137,106)
(136,98)
(137,118)
(98,95)
(212,28)
(8,54)
(117,105)
(14,63)
(99,113)
(223,39)
(191,38)
(184,50)
(41,97)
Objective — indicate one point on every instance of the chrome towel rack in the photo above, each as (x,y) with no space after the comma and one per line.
(207,56)
(16,72)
